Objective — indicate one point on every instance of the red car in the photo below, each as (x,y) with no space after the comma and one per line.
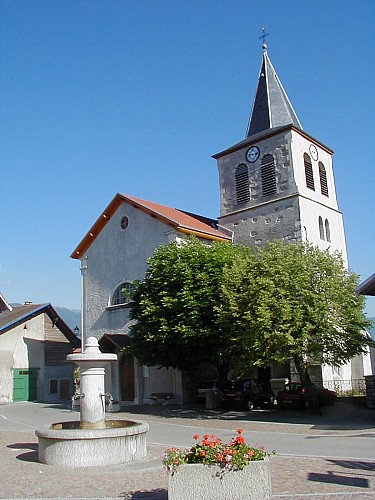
(297,396)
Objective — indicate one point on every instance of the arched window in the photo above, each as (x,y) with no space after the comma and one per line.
(323,179)
(309,174)
(242,184)
(268,175)
(328,231)
(121,294)
(321,228)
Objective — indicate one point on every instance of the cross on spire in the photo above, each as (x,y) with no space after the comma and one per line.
(263,37)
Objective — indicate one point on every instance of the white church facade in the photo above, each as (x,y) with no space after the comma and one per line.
(113,254)
(277,183)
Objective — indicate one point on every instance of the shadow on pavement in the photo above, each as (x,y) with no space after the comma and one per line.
(353,464)
(332,478)
(31,456)
(341,416)
(158,494)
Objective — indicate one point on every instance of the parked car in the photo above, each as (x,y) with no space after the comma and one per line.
(246,393)
(207,385)
(297,396)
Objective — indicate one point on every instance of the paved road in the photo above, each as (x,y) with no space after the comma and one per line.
(24,416)
(294,476)
(356,441)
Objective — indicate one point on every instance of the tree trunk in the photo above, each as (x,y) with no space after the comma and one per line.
(302,370)
(311,395)
(222,374)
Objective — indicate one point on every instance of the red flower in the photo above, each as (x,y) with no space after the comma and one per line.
(196,436)
(202,453)
(240,439)
(239,431)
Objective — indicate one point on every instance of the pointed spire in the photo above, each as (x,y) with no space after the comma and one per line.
(271,107)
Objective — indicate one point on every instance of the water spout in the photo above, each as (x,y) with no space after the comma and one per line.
(74,399)
(110,400)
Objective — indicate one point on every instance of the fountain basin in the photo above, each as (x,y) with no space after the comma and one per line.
(65,444)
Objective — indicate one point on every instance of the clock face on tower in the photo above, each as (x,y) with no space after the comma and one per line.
(252,154)
(313,152)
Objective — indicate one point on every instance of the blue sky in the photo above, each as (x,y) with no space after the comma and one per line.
(100,97)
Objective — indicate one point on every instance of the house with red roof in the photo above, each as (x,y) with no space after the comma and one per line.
(34,343)
(113,254)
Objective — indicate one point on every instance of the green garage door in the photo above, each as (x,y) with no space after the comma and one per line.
(25,384)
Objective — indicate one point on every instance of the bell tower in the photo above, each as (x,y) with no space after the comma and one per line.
(278,182)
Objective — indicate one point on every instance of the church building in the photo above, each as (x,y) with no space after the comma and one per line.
(277,183)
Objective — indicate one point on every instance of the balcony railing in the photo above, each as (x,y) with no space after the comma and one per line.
(347,387)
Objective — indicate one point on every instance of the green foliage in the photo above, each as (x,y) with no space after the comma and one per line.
(176,307)
(222,304)
(298,303)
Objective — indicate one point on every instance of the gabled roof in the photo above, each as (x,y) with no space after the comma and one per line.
(21,314)
(111,341)
(271,107)
(367,287)
(4,306)
(177,219)
(269,133)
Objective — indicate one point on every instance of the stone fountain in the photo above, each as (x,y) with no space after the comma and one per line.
(92,440)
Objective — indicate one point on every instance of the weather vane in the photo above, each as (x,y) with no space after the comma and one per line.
(263,37)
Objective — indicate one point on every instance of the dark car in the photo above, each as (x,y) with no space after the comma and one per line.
(207,385)
(246,393)
(300,396)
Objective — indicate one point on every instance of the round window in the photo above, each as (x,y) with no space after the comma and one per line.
(124,222)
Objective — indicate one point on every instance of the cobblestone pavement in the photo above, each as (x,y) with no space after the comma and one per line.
(293,478)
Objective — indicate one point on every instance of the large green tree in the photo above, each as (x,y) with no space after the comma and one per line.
(177,307)
(295,303)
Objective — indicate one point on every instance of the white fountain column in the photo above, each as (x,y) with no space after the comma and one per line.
(92,395)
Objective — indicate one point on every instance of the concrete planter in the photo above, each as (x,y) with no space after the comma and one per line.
(209,482)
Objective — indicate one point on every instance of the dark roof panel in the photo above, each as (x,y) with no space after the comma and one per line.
(21,314)
(367,287)
(271,107)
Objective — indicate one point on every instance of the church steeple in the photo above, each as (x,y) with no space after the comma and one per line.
(278,182)
(272,107)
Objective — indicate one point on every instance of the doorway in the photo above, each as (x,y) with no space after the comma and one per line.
(25,384)
(127,378)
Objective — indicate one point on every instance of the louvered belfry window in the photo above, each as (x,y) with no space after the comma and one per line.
(309,172)
(268,175)
(242,184)
(323,179)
